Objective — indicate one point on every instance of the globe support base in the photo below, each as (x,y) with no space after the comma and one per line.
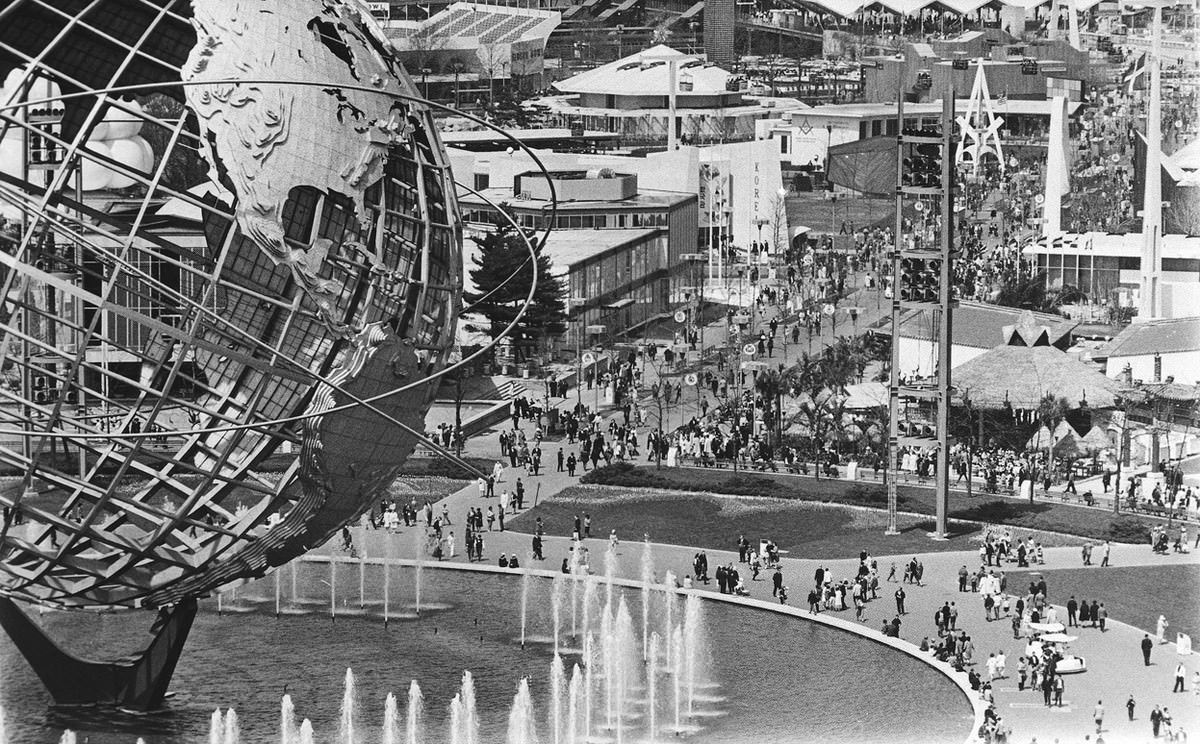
(138,682)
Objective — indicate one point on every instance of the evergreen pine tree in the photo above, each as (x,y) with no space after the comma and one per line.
(501,253)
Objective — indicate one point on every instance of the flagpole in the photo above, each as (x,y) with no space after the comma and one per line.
(1150,301)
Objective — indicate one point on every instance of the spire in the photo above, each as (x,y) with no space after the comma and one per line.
(980,126)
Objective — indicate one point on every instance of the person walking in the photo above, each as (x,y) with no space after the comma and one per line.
(1156,718)
(776,582)
(1105,549)
(1098,716)
(1147,646)
(1180,674)
(1059,687)
(1129,706)
(900,600)
(1072,611)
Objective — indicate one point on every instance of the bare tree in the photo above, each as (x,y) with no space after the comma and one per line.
(423,47)
(1184,213)
(494,62)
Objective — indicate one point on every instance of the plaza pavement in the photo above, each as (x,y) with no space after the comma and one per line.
(1114,658)
(1115,666)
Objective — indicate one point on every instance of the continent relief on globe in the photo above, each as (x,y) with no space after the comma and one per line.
(268,139)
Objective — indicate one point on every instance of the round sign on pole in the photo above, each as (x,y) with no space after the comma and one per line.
(828,308)
(1116,158)
(680,316)
(589,358)
(691,378)
(1039,199)
(749,349)
(919,206)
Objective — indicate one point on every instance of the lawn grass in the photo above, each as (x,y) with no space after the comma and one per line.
(1134,595)
(804,528)
(1042,515)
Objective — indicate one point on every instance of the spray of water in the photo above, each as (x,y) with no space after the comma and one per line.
(416,711)
(306,732)
(575,726)
(456,720)
(525,579)
(288,733)
(558,591)
(348,722)
(470,715)
(216,728)
(652,685)
(233,733)
(520,719)
(391,721)
(557,682)
(647,580)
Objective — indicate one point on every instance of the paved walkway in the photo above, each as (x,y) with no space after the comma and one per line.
(1114,658)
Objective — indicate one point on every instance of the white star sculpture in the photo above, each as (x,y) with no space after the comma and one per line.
(980,127)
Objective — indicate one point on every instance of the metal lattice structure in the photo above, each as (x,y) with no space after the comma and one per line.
(284,273)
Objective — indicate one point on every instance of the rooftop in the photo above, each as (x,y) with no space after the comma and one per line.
(982,326)
(467,25)
(646,73)
(1012,107)
(1155,337)
(1113,244)
(645,198)
(568,247)
(1019,376)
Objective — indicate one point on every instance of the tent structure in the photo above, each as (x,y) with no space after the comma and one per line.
(1019,376)
(1095,440)
(1043,436)
(1070,446)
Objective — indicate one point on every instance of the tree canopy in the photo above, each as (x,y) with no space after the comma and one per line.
(503,254)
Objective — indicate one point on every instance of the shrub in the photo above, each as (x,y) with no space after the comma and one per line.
(627,475)
(866,495)
(442,468)
(1128,530)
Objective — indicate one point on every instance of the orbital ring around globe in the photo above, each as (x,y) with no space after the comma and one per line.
(364,402)
(339,408)
(355,401)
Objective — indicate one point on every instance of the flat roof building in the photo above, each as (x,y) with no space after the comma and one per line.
(620,246)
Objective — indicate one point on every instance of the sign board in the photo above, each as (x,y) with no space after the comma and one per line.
(749,349)
(680,316)
(691,378)
(589,358)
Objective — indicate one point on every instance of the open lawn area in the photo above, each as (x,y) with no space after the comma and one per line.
(804,529)
(1136,595)
(1042,515)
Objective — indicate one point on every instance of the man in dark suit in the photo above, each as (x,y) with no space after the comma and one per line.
(1072,609)
(1147,646)
(776,582)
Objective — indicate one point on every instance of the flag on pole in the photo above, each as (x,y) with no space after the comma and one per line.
(1135,76)
(1002,100)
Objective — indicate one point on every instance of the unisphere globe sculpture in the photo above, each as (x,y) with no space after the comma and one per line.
(230,235)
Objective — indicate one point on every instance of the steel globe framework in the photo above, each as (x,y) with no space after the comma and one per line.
(285,262)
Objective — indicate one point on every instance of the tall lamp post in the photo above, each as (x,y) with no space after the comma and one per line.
(578,302)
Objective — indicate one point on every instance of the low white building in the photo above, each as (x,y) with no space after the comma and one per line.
(805,136)
(1108,267)
(1155,351)
(977,329)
